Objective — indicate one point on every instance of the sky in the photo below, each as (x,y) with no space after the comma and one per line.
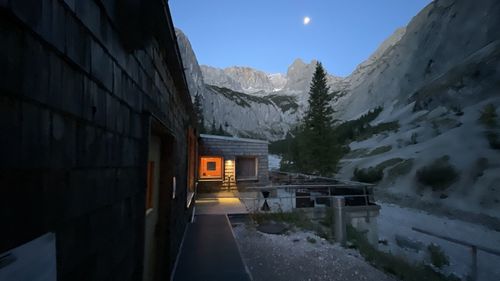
(270,34)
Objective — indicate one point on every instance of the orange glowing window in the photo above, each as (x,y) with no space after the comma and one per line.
(210,167)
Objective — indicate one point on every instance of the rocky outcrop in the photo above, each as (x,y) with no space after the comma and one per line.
(449,43)
(238,113)
(241,79)
(434,78)
(251,81)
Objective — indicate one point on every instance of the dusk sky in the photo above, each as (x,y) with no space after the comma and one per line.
(270,34)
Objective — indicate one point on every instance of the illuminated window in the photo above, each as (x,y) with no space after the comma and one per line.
(246,168)
(210,167)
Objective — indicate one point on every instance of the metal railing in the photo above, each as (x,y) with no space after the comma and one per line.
(316,187)
(474,248)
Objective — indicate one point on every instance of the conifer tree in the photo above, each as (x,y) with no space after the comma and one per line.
(221,132)
(198,109)
(213,129)
(318,149)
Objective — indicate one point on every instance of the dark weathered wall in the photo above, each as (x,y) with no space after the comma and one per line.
(230,149)
(75,109)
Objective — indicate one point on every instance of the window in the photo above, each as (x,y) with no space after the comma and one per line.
(246,168)
(210,167)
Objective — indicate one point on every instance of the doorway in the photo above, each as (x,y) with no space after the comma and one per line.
(151,220)
(160,173)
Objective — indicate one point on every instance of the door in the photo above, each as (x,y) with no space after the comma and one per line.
(152,206)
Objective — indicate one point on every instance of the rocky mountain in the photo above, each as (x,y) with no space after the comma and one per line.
(269,117)
(434,78)
(251,81)
(430,50)
(241,79)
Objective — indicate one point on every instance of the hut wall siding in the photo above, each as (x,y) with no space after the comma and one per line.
(230,149)
(73,103)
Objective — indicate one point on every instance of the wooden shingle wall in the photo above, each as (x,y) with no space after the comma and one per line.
(75,106)
(231,149)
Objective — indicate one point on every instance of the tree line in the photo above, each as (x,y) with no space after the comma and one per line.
(200,120)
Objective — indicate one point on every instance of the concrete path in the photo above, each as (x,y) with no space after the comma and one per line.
(219,203)
(210,252)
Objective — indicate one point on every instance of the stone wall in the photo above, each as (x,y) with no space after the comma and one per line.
(230,148)
(77,92)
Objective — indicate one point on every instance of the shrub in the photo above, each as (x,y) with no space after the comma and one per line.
(479,167)
(369,131)
(298,219)
(327,220)
(458,110)
(357,153)
(438,258)
(368,175)
(374,174)
(493,140)
(401,168)
(311,240)
(439,174)
(435,127)
(388,163)
(489,115)
(392,264)
(414,138)
(380,150)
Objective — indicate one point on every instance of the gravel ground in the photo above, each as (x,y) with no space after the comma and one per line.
(295,256)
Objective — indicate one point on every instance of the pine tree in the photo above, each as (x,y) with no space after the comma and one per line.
(221,132)
(198,109)
(213,130)
(319,152)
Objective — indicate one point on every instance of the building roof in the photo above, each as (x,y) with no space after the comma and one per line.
(233,139)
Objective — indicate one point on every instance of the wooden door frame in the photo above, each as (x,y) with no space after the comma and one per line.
(167,171)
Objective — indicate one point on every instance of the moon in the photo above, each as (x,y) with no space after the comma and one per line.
(307,20)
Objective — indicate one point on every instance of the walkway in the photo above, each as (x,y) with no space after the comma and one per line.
(220,203)
(210,252)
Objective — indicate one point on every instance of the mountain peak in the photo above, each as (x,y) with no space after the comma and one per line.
(299,65)
(298,61)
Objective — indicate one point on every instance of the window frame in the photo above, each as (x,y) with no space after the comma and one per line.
(205,178)
(252,178)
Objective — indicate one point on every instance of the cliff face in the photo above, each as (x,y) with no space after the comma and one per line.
(240,114)
(441,45)
(434,78)
(242,79)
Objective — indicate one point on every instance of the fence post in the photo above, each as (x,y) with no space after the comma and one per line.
(339,224)
(473,272)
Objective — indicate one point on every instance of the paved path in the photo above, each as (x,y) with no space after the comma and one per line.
(220,203)
(210,252)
